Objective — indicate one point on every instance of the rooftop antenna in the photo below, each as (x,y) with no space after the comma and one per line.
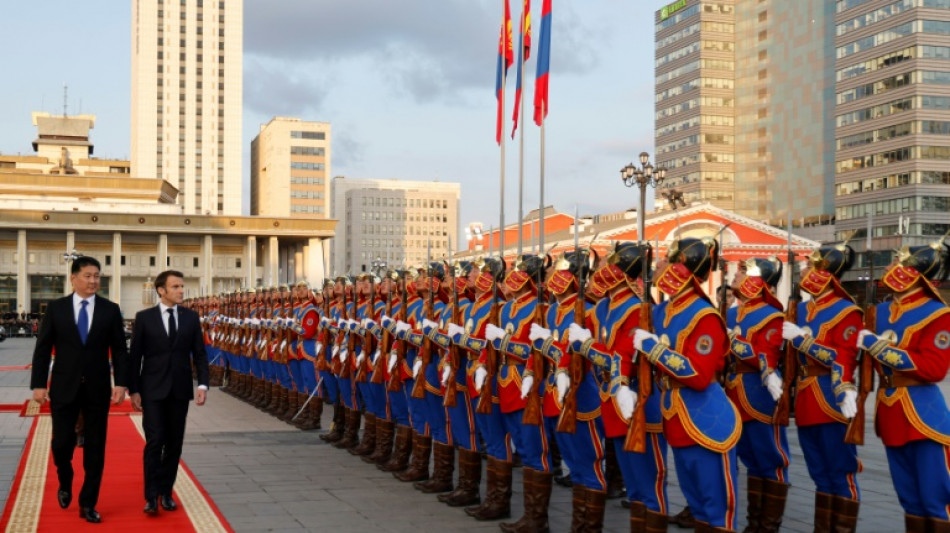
(65,101)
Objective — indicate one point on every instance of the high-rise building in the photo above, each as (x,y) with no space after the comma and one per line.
(186,99)
(892,120)
(742,96)
(290,162)
(392,221)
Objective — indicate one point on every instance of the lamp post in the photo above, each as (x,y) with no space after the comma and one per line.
(642,176)
(379,265)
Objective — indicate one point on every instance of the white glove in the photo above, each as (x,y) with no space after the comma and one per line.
(642,335)
(455,329)
(446,374)
(862,334)
(343,354)
(526,384)
(416,367)
(563,382)
(426,323)
(626,400)
(369,323)
(319,348)
(360,358)
(480,375)
(363,323)
(324,321)
(791,331)
(577,333)
(402,326)
(392,360)
(375,356)
(353,324)
(537,332)
(386,321)
(774,384)
(334,352)
(493,332)
(849,404)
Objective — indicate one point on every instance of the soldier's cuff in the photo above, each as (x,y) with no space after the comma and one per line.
(878,346)
(654,354)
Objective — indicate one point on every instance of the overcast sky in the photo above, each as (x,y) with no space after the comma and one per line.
(408,86)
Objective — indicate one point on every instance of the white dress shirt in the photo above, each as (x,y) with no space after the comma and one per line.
(164,311)
(90,307)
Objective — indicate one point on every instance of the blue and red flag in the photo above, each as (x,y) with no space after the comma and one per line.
(524,52)
(544,64)
(505,59)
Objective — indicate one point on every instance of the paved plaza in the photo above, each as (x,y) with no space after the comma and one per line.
(265,475)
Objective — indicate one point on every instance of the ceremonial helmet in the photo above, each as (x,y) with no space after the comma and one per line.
(529,268)
(624,264)
(700,256)
(568,269)
(493,271)
(828,263)
(461,271)
(927,262)
(762,275)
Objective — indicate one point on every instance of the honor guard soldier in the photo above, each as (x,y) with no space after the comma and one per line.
(334,292)
(576,380)
(346,347)
(912,352)
(395,391)
(388,414)
(825,399)
(365,287)
(754,385)
(305,325)
(689,351)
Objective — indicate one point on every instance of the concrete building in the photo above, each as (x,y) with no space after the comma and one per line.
(392,221)
(63,200)
(892,121)
(290,162)
(187,98)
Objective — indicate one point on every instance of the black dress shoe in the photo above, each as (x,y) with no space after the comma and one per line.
(151,505)
(168,503)
(64,497)
(90,515)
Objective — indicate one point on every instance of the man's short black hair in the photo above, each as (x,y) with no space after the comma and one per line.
(83,261)
(163,277)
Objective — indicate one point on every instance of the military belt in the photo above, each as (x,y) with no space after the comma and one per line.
(891,381)
(805,371)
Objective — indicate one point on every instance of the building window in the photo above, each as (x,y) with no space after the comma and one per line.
(151,261)
(194,262)
(108,260)
(237,263)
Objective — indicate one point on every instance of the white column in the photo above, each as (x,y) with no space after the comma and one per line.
(298,262)
(115,287)
(271,263)
(70,244)
(206,282)
(22,280)
(162,253)
(250,262)
(314,271)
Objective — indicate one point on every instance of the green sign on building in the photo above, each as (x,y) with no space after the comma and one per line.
(668,10)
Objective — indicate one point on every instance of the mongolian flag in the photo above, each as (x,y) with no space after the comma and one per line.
(524,52)
(544,60)
(505,59)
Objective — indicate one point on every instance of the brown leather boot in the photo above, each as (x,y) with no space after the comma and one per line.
(588,513)
(497,504)
(304,420)
(537,496)
(578,509)
(267,393)
(443,466)
(384,442)
(470,476)
(656,522)
(638,517)
(755,494)
(368,444)
(773,505)
(352,432)
(401,451)
(316,411)
(275,389)
(915,524)
(936,525)
(339,424)
(419,467)
(684,519)
(845,513)
(615,488)
(822,512)
(292,406)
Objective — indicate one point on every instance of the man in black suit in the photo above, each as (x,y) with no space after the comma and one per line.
(166,340)
(83,329)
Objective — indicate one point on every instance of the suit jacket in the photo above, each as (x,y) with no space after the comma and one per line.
(159,367)
(76,363)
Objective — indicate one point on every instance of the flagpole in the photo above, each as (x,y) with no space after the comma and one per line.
(501,208)
(520,96)
(541,199)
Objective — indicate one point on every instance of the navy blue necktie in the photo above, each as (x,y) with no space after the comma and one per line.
(83,322)
(172,326)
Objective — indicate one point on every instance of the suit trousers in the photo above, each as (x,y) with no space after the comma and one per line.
(95,411)
(164,424)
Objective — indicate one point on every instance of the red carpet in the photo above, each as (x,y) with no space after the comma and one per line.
(31,408)
(21,367)
(32,505)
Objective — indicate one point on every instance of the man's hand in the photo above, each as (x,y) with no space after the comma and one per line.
(493,332)
(118,395)
(642,335)
(577,333)
(849,404)
(774,384)
(40,396)
(626,400)
(791,331)
(526,383)
(480,375)
(563,382)
(201,396)
(538,332)
(416,366)
(864,333)
(136,401)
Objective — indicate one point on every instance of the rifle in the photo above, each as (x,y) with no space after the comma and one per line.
(451,388)
(783,406)
(636,440)
(425,351)
(384,343)
(855,432)
(346,372)
(567,422)
(367,338)
(491,356)
(395,377)
(532,409)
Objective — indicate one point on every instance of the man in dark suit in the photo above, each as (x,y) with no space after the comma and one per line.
(83,329)
(166,340)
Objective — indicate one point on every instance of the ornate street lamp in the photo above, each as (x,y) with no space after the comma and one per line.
(642,176)
(71,256)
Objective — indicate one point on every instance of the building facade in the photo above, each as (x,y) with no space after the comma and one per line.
(290,162)
(393,221)
(186,99)
(892,121)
